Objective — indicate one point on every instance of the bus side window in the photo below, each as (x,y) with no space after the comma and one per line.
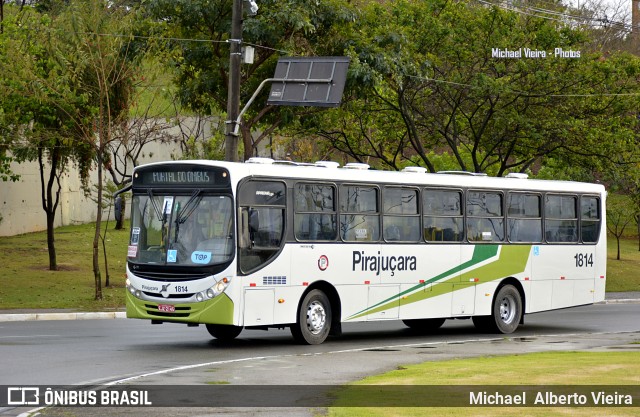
(315,216)
(442,221)
(561,218)
(589,219)
(485,220)
(401,217)
(525,217)
(359,213)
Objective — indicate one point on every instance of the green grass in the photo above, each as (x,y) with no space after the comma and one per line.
(547,368)
(26,282)
(623,275)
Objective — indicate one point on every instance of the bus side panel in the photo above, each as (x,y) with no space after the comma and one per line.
(600,268)
(435,301)
(380,294)
(427,292)
(341,265)
(540,296)
(262,290)
(571,280)
(259,306)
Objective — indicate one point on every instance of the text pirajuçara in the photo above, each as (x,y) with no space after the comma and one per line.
(377,263)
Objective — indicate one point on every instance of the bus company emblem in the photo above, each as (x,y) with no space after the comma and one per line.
(164,291)
(323,262)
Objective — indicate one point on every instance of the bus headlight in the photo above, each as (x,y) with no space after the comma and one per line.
(132,289)
(220,286)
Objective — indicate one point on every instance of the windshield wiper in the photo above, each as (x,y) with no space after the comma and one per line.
(161,217)
(189,208)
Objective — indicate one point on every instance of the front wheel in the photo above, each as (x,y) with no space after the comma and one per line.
(314,319)
(506,312)
(224,332)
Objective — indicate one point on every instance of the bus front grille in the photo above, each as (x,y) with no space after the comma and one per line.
(171,296)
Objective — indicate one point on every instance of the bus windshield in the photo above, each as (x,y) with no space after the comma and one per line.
(181,230)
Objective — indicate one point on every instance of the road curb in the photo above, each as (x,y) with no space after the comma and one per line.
(62,316)
(622,301)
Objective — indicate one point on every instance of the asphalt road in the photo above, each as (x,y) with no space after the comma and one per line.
(99,351)
(136,352)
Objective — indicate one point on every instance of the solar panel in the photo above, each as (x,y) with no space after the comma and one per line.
(309,81)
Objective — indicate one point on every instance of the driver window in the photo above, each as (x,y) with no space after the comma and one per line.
(262,214)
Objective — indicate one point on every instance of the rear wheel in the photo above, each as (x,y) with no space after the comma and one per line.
(224,332)
(424,325)
(506,312)
(314,319)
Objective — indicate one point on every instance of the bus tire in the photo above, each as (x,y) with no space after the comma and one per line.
(506,312)
(314,319)
(224,332)
(424,325)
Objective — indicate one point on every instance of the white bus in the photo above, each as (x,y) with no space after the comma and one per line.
(267,244)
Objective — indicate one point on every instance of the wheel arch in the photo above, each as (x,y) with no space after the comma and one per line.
(518,286)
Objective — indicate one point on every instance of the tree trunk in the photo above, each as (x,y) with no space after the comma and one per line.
(103,238)
(618,242)
(638,225)
(96,238)
(49,205)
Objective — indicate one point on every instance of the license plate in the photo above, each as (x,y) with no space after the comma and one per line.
(166,308)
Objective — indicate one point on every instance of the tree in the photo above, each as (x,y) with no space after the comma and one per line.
(33,127)
(619,214)
(450,94)
(101,63)
(201,63)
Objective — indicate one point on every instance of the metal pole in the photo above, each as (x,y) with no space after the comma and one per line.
(233,97)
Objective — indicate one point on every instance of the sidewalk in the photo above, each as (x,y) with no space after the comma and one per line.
(57,314)
(68,314)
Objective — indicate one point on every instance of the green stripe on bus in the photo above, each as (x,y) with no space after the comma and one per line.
(512,260)
(480,254)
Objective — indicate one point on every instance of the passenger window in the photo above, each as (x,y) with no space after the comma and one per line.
(442,221)
(359,213)
(561,219)
(315,215)
(590,219)
(525,218)
(485,221)
(401,218)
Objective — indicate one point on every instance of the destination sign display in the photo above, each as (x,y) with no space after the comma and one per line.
(178,177)
(182,176)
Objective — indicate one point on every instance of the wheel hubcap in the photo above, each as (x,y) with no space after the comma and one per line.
(507,310)
(316,317)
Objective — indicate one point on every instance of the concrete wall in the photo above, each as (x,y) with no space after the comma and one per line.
(21,203)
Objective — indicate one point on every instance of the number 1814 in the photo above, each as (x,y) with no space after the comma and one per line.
(584,260)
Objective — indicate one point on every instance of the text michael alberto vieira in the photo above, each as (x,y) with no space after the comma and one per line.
(547,398)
